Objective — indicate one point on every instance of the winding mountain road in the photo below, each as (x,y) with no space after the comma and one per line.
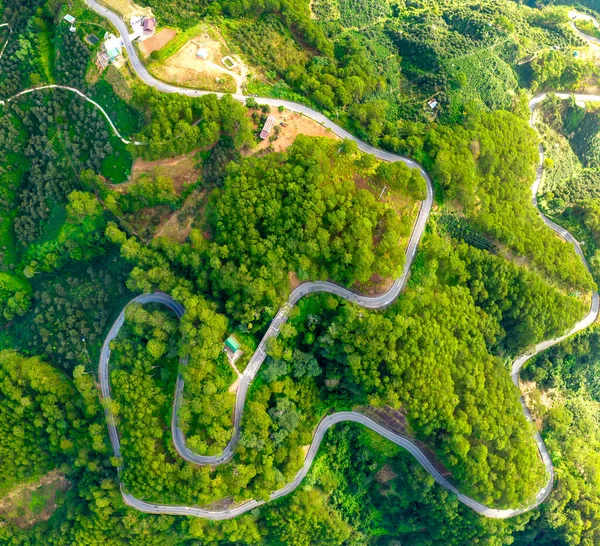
(378,302)
(575,16)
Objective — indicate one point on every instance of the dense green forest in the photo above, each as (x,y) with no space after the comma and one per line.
(489,279)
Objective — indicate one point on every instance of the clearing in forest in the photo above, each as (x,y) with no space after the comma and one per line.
(288,126)
(157,42)
(198,64)
(31,503)
(182,169)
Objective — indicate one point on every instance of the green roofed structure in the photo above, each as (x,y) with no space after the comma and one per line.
(232,344)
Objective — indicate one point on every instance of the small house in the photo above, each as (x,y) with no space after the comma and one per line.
(112,46)
(69,19)
(232,344)
(268,126)
(233,349)
(432,104)
(202,53)
(149,24)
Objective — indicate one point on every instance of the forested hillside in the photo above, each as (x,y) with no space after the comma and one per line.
(88,221)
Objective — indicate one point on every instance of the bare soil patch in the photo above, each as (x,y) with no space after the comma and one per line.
(294,280)
(178,225)
(234,386)
(386,474)
(290,125)
(183,169)
(158,41)
(187,68)
(31,503)
(146,222)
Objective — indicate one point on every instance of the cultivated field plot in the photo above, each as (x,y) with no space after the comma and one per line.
(158,41)
(198,64)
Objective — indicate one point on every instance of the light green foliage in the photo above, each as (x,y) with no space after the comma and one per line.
(38,406)
(298,211)
(306,520)
(487,168)
(150,191)
(205,416)
(179,124)
(401,178)
(15,296)
(449,330)
(587,27)
(558,70)
(485,79)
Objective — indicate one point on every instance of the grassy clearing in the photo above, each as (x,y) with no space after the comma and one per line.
(221,83)
(112,92)
(117,166)
(57,218)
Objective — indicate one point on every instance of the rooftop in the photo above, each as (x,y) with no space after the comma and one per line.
(232,344)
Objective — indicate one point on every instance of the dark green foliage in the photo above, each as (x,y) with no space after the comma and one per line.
(79,238)
(127,119)
(21,64)
(216,161)
(70,313)
(72,57)
(63,138)
(586,140)
(520,301)
(572,365)
(459,229)
(387,497)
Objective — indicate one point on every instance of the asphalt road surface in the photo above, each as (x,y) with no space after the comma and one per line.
(377,302)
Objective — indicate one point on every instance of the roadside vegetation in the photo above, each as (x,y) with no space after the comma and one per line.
(570,191)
